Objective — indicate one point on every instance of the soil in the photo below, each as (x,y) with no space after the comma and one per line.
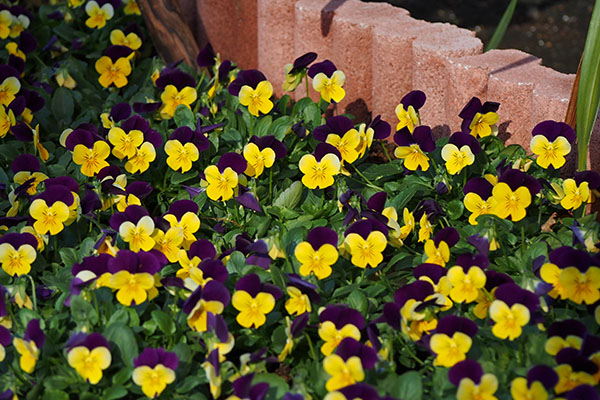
(554,30)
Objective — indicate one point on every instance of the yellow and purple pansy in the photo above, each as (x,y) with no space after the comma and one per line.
(407,111)
(178,88)
(413,146)
(328,81)
(210,299)
(223,178)
(26,168)
(512,310)
(254,300)
(199,250)
(366,240)
(320,167)
(89,355)
(336,323)
(339,131)
(472,383)
(302,294)
(347,366)
(50,209)
(480,120)
(437,249)
(17,253)
(254,91)
(294,73)
(153,370)
(114,66)
(540,380)
(551,142)
(318,253)
(460,152)
(261,153)
(452,340)
(478,193)
(133,276)
(184,147)
(30,346)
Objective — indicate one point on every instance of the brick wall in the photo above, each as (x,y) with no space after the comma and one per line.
(385,53)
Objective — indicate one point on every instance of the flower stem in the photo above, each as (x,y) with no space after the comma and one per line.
(310,345)
(385,150)
(33,295)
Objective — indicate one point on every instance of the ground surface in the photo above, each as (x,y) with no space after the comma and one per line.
(553,30)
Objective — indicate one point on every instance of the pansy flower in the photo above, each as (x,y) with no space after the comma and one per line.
(345,368)
(256,252)
(131,7)
(254,300)
(478,192)
(184,147)
(340,132)
(90,153)
(131,40)
(292,331)
(17,253)
(318,253)
(212,370)
(244,389)
(50,209)
(328,81)
(132,276)
(201,249)
(207,270)
(365,243)
(301,294)
(26,168)
(9,87)
(437,249)
(460,152)
(472,383)
(296,71)
(179,88)
(436,275)
(93,270)
(212,298)
(223,178)
(261,153)
(486,297)
(452,340)
(559,259)
(119,112)
(7,120)
(29,347)
(573,194)
(573,369)
(320,167)
(5,22)
(467,277)
(408,110)
(356,391)
(125,143)
(89,355)
(564,334)
(412,147)
(254,91)
(551,142)
(136,228)
(153,370)
(98,15)
(480,120)
(73,186)
(184,214)
(377,129)
(336,323)
(114,66)
(511,310)
(540,379)
(512,194)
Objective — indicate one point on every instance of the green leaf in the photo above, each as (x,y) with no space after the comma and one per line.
(62,105)
(123,337)
(114,392)
(358,301)
(164,321)
(502,26)
(588,94)
(262,128)
(178,177)
(281,126)
(455,209)
(53,394)
(184,117)
(290,197)
(409,386)
(278,387)
(68,256)
(82,311)
(236,263)
(277,276)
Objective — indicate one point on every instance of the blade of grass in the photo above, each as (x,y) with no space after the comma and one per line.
(502,26)
(588,96)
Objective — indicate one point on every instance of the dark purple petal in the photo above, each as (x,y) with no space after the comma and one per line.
(43,292)
(429,206)
(304,286)
(566,256)
(373,335)
(582,392)
(148,262)
(142,108)
(326,67)
(391,315)
(449,235)
(469,260)
(377,201)
(65,181)
(181,207)
(125,260)
(381,129)
(235,161)
(241,386)
(139,189)
(590,345)
(516,178)
(480,186)
(19,239)
(115,52)
(94,340)
(270,141)
(148,357)
(218,325)
(495,279)
(17,63)
(214,269)
(190,303)
(567,327)
(56,193)
(322,149)
(342,315)
(273,290)
(224,69)
(299,129)
(403,137)
(250,284)
(511,293)
(184,134)
(360,391)
(203,249)
(97,264)
(416,98)
(120,112)
(250,77)
(543,374)
(424,138)
(338,125)
(432,271)
(303,62)
(291,396)
(5,336)
(34,333)
(450,324)
(470,109)
(417,290)
(350,347)
(363,228)
(259,391)
(35,102)
(299,324)
(17,105)
(90,201)
(193,191)
(175,77)
(27,42)
(79,136)
(465,369)
(76,339)
(553,129)
(319,236)
(22,132)
(460,139)
(578,362)
(480,243)
(206,56)
(591,177)
(7,71)
(249,201)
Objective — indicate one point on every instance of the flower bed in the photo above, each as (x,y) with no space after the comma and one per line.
(181,234)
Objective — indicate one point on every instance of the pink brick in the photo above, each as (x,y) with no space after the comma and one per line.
(551,94)
(275,39)
(594,154)
(313,33)
(469,77)
(430,53)
(391,63)
(231,28)
(352,31)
